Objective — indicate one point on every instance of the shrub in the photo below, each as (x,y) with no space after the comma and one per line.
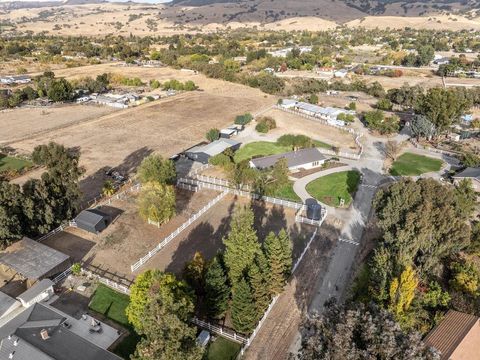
(220,160)
(384,104)
(265,124)
(243,119)
(213,134)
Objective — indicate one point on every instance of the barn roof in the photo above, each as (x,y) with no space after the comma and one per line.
(31,259)
(215,147)
(449,335)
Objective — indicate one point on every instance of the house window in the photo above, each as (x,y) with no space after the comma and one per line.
(316,163)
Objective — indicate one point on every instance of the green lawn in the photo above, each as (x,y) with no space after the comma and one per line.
(321,144)
(331,188)
(8,163)
(287,193)
(222,349)
(259,148)
(112,304)
(409,164)
(265,148)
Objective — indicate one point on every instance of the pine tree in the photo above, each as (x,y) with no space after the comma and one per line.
(217,290)
(286,244)
(276,262)
(244,314)
(258,277)
(241,244)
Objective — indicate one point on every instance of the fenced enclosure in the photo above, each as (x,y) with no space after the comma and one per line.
(174,234)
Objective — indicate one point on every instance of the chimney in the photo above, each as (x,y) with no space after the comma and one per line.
(44,334)
(15,342)
(10,356)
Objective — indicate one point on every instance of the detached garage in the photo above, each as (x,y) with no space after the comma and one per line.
(93,220)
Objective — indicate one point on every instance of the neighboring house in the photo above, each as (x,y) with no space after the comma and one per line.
(441,61)
(93,220)
(42,332)
(456,337)
(301,159)
(32,261)
(470,173)
(202,153)
(19,79)
(340,73)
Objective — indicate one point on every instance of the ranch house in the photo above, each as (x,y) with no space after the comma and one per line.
(202,153)
(301,159)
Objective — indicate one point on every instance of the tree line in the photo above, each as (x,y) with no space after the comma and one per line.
(40,205)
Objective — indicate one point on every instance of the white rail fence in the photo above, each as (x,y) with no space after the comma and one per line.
(71,223)
(194,172)
(174,234)
(272,200)
(62,275)
(111,284)
(221,331)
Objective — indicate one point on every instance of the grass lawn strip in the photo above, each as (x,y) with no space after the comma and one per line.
(222,349)
(410,164)
(112,304)
(287,193)
(331,188)
(8,163)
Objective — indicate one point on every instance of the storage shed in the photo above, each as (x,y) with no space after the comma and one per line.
(92,220)
(202,153)
(33,261)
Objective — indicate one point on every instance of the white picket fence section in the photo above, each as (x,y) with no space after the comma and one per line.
(62,275)
(272,200)
(260,323)
(221,331)
(111,284)
(194,172)
(356,135)
(174,234)
(213,180)
(70,223)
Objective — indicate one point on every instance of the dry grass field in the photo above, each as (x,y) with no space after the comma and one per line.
(123,138)
(18,124)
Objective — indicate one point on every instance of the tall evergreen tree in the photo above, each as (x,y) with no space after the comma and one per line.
(286,245)
(276,262)
(244,314)
(217,290)
(241,244)
(258,277)
(194,272)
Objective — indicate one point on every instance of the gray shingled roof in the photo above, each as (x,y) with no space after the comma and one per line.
(294,158)
(469,172)
(6,303)
(35,290)
(62,343)
(31,259)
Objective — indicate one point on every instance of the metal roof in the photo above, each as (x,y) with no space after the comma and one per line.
(215,147)
(448,335)
(294,158)
(31,259)
(35,290)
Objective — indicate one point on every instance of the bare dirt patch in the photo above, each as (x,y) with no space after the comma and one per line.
(207,233)
(128,238)
(280,329)
(288,123)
